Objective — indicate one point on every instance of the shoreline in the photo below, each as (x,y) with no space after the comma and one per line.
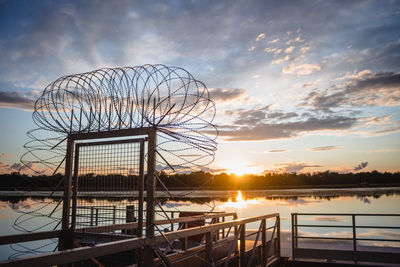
(190,194)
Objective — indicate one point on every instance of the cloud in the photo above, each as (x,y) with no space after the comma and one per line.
(327,219)
(295,40)
(294,167)
(15,99)
(225,95)
(304,49)
(295,202)
(249,117)
(4,167)
(301,69)
(355,75)
(21,205)
(253,127)
(289,49)
(282,115)
(380,89)
(324,148)
(361,166)
(365,200)
(280,60)
(276,150)
(260,37)
(274,41)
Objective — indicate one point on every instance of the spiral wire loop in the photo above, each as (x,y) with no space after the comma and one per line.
(167,98)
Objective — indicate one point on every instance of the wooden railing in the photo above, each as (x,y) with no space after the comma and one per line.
(351,253)
(228,233)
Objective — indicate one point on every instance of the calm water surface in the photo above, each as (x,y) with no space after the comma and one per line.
(245,205)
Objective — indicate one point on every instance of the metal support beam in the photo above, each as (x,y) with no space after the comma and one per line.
(65,241)
(141,189)
(148,255)
(243,245)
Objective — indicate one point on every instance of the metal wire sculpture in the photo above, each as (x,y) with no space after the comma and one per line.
(168,98)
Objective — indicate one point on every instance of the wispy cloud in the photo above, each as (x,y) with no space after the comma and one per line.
(225,95)
(294,167)
(327,219)
(16,99)
(324,148)
(301,69)
(380,89)
(251,126)
(276,150)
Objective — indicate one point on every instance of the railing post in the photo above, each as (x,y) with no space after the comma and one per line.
(91,215)
(217,235)
(243,246)
(97,217)
(293,237)
(114,213)
(264,255)
(278,235)
(172,217)
(353,219)
(296,217)
(185,244)
(223,229)
(209,248)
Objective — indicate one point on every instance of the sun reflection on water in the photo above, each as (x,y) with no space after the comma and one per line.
(239,202)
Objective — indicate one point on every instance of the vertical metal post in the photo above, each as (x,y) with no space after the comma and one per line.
(218,231)
(264,255)
(114,213)
(141,189)
(130,217)
(97,217)
(235,217)
(172,217)
(148,254)
(75,188)
(243,246)
(91,216)
(293,237)
(64,242)
(296,230)
(223,229)
(278,235)
(353,220)
(209,248)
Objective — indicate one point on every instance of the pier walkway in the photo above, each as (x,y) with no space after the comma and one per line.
(222,239)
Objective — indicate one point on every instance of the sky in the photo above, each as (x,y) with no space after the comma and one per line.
(299,86)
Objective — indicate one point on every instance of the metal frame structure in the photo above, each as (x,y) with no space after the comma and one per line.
(66,240)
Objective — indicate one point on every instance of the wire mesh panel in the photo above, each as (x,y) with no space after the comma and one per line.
(107,177)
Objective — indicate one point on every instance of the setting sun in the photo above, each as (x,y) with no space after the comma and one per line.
(240,169)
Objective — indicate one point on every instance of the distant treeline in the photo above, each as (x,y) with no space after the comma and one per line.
(223,181)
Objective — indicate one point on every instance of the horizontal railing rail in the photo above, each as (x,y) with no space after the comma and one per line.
(85,253)
(354,253)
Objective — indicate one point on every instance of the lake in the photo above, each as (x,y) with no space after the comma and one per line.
(245,204)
